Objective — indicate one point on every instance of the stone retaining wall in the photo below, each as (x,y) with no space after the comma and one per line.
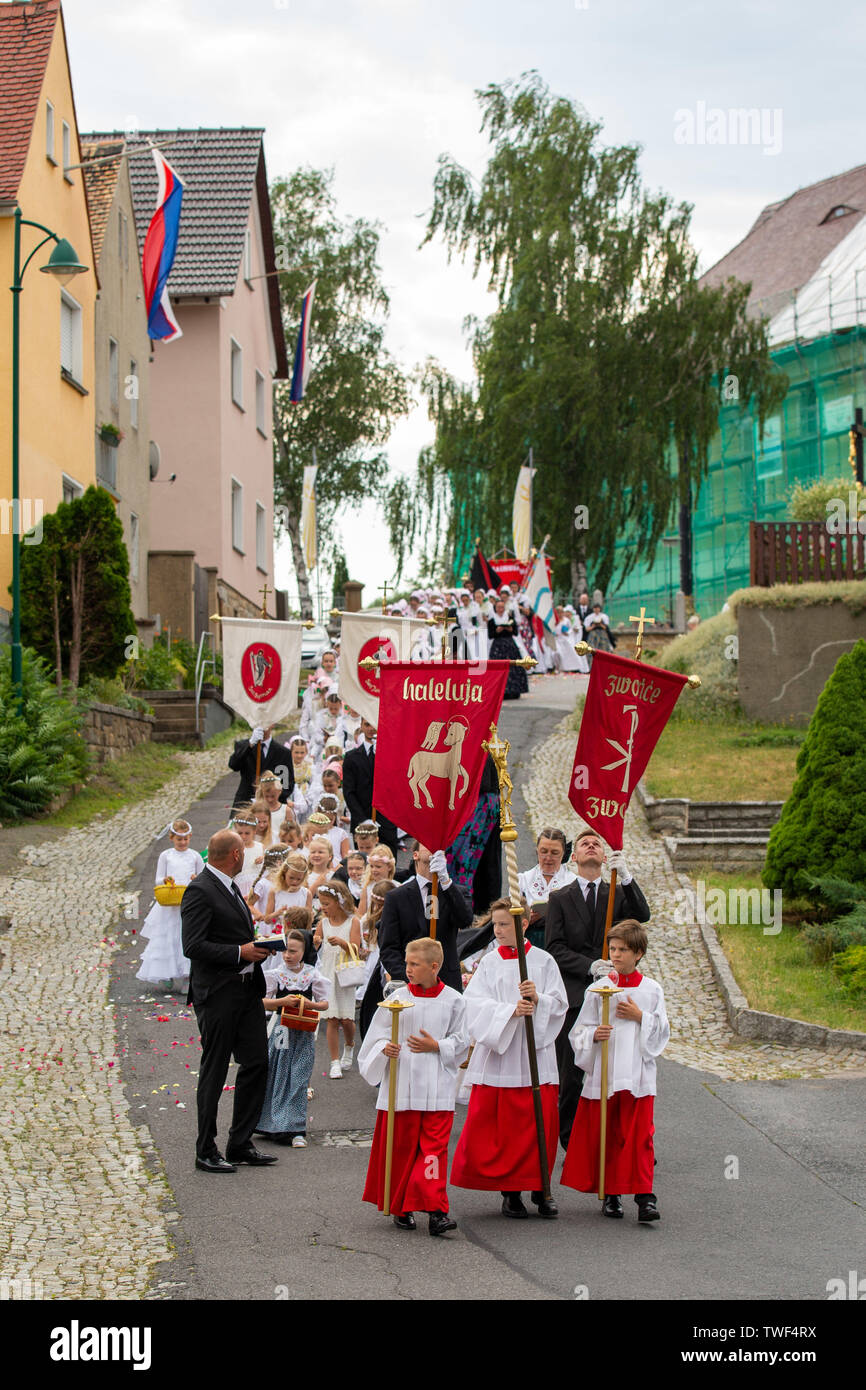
(110,731)
(677,815)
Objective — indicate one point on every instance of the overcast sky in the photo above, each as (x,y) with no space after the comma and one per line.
(377,89)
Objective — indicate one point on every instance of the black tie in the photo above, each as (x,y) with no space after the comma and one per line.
(240,897)
(590,898)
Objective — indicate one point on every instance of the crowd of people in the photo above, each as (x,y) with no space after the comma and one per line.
(303,862)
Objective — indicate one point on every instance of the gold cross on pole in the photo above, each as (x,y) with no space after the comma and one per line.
(640,622)
(264,591)
(384,592)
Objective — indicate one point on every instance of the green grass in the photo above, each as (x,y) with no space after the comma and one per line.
(777,974)
(131,777)
(724,760)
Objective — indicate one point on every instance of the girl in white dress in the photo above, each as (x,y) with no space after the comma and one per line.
(302,767)
(264,838)
(254,856)
(370,930)
(336,930)
(356,864)
(163,960)
(320,858)
(341,843)
(257,898)
(289,886)
(380,865)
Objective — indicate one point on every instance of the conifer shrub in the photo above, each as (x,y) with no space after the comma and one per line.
(42,750)
(822,830)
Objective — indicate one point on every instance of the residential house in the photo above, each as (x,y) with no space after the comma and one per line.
(39,159)
(122,353)
(212,498)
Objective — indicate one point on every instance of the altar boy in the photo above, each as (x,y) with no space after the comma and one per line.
(432,1042)
(638,1034)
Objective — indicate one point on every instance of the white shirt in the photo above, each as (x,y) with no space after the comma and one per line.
(228,882)
(633,1047)
(425,1080)
(535,887)
(500,1057)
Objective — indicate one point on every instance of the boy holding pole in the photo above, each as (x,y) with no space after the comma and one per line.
(636,1037)
(412,1051)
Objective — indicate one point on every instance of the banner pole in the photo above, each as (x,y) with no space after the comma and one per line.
(434,906)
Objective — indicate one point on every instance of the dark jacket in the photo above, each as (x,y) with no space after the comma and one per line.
(214,924)
(278,759)
(574,941)
(403,920)
(358,769)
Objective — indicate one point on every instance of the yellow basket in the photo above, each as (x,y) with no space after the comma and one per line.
(169,894)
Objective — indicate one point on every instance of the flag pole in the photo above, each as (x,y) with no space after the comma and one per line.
(498,750)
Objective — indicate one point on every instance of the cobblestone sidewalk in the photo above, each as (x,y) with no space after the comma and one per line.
(82,1215)
(701,1035)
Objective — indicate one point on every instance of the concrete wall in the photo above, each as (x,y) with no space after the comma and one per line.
(110,731)
(787,654)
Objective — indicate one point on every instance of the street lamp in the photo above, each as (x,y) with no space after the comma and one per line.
(64,264)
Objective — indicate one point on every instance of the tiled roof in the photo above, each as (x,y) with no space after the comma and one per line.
(790,239)
(100,181)
(26,34)
(222,171)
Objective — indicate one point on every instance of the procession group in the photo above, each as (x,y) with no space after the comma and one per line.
(304,858)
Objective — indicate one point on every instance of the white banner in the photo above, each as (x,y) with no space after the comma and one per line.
(521,514)
(309,539)
(377,635)
(261,668)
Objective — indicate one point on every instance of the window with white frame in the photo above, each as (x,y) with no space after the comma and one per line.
(261,538)
(67,147)
(113,374)
(237,516)
(71,489)
(133,547)
(260,403)
(132,393)
(237,375)
(49,132)
(70,336)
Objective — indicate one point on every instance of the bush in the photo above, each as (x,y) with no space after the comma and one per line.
(703,653)
(822,829)
(42,750)
(850,966)
(156,668)
(810,503)
(101,691)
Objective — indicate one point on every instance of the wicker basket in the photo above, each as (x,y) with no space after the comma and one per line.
(169,894)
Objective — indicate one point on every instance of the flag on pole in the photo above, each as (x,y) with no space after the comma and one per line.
(301,371)
(309,539)
(483,575)
(428,770)
(365,635)
(627,706)
(521,516)
(160,246)
(538,593)
(261,668)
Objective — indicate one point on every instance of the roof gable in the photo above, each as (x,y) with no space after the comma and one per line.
(26,36)
(100,183)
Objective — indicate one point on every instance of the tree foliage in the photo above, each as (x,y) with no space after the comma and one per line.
(356,390)
(41,750)
(75,599)
(822,829)
(604,354)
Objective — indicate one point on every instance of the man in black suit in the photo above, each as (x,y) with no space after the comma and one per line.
(275,757)
(358,768)
(406,916)
(574,936)
(226,988)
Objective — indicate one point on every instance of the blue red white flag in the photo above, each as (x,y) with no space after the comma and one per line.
(157,258)
(301,372)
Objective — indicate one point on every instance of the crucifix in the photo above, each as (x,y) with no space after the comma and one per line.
(384,592)
(264,591)
(640,622)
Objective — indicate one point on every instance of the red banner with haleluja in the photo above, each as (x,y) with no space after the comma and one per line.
(429,759)
(627,706)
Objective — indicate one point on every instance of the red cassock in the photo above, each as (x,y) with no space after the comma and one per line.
(419,1162)
(628,1166)
(498,1148)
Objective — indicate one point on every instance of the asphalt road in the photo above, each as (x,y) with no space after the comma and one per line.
(760,1185)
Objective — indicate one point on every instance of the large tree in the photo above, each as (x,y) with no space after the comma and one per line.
(604,354)
(356,390)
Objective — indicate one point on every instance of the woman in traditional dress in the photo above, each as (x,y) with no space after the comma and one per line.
(501,632)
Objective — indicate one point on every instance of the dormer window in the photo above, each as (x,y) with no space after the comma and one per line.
(840,210)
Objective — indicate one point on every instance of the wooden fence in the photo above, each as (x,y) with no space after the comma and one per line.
(802,552)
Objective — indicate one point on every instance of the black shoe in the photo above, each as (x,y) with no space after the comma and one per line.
(406,1222)
(612,1206)
(252,1156)
(544,1208)
(512,1205)
(648,1211)
(440,1222)
(214,1163)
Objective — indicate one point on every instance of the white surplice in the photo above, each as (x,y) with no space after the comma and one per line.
(632,1048)
(425,1080)
(500,1056)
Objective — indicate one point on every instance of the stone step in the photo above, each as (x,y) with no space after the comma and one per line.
(178,736)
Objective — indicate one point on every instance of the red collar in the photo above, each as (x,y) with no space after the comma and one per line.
(432,993)
(510,952)
(630,981)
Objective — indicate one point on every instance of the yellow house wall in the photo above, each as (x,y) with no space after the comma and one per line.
(56,422)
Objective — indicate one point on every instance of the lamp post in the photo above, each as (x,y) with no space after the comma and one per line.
(64,264)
